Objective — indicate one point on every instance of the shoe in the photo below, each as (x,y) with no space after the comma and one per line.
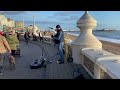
(50,62)
(59,62)
(1,67)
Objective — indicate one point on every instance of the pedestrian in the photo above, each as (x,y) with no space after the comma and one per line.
(26,36)
(3,46)
(40,36)
(12,40)
(18,35)
(58,39)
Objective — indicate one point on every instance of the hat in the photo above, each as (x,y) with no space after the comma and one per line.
(58,26)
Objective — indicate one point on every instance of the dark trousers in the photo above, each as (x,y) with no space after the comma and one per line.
(26,39)
(1,58)
(13,52)
(41,38)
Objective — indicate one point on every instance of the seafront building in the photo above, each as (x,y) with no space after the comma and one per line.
(3,20)
(10,22)
(33,29)
(5,23)
(19,24)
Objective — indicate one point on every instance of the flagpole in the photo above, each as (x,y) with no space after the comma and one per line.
(23,22)
(33,22)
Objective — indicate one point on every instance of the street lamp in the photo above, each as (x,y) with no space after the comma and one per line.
(33,22)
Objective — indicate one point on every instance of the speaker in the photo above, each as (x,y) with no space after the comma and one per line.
(37,64)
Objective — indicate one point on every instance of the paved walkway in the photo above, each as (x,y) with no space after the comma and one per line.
(31,52)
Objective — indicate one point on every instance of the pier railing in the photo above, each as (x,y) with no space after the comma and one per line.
(101,64)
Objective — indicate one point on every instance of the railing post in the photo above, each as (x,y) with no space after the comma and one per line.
(86,39)
(96,71)
(66,48)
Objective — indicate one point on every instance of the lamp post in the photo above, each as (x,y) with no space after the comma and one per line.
(23,22)
(33,22)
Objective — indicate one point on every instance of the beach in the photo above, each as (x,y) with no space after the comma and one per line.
(108,46)
(111,47)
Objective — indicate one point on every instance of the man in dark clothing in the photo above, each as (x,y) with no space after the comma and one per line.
(18,36)
(26,36)
(40,36)
(58,39)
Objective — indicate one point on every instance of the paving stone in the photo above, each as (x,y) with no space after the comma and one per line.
(31,52)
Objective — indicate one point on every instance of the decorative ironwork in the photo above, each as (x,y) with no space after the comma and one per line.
(104,75)
(89,64)
(69,49)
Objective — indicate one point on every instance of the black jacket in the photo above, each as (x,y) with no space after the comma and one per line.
(58,37)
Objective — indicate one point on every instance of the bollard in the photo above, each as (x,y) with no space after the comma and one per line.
(66,48)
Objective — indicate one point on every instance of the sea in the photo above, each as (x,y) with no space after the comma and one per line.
(110,36)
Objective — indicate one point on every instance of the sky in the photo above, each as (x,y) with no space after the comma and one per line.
(67,19)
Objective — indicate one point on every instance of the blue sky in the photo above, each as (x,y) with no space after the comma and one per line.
(67,19)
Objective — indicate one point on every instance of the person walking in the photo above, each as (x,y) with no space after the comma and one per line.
(4,46)
(26,36)
(40,36)
(18,35)
(12,40)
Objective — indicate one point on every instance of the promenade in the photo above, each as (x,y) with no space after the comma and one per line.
(31,52)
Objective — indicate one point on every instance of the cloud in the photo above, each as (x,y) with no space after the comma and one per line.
(51,17)
(71,18)
(66,13)
(12,12)
(45,22)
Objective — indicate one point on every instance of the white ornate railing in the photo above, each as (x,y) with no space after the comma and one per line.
(101,64)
